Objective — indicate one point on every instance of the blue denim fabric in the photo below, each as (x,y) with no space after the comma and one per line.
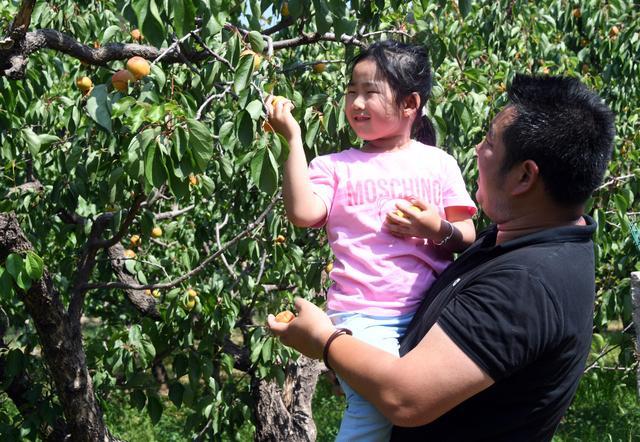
(362,422)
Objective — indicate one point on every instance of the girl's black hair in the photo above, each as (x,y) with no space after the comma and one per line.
(407,69)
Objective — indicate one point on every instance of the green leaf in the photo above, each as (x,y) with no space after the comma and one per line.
(176,391)
(149,21)
(158,75)
(201,144)
(109,33)
(23,281)
(98,106)
(255,109)
(32,141)
(154,170)
(6,284)
(34,266)
(14,265)
(138,399)
(184,14)
(256,41)
(243,73)
(154,408)
(245,129)
(465,7)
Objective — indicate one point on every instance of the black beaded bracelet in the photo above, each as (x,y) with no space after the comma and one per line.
(335,334)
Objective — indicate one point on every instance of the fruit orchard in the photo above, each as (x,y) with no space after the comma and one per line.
(142,236)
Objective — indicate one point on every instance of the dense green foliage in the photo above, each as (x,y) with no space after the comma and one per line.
(97,153)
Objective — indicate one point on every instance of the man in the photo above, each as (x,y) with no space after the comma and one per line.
(497,348)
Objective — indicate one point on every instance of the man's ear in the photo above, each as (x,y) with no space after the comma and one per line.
(411,104)
(527,175)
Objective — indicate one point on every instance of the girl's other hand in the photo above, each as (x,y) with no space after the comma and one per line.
(279,116)
(408,221)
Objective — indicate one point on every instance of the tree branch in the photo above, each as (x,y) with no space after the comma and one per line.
(196,270)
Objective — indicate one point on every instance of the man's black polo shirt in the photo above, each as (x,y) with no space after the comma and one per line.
(523,312)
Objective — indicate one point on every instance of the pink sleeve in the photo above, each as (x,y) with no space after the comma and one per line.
(455,193)
(323,182)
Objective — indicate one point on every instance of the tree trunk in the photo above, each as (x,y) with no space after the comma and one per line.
(635,301)
(61,342)
(285,413)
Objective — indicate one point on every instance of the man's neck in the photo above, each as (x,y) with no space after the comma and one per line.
(528,224)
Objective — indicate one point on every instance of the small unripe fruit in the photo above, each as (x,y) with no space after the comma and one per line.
(192,293)
(285,316)
(319,68)
(130,254)
(139,67)
(577,13)
(84,84)
(190,303)
(135,240)
(147,292)
(156,293)
(136,34)
(280,239)
(284,10)
(156,232)
(121,79)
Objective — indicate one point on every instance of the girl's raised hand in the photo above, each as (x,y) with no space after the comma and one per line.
(279,115)
(307,332)
(414,219)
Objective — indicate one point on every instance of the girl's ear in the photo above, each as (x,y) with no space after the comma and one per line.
(411,104)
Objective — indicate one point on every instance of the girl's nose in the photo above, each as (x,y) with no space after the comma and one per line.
(358,103)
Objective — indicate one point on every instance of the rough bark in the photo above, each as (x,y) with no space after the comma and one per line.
(144,303)
(61,343)
(285,413)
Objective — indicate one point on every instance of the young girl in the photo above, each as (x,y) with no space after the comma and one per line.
(387,253)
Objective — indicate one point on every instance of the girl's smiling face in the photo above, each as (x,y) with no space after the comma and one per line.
(372,111)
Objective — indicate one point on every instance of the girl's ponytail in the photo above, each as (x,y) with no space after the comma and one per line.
(424,131)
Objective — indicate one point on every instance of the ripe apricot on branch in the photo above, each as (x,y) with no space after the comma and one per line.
(285,316)
(192,293)
(156,293)
(139,67)
(280,239)
(614,31)
(136,34)
(84,84)
(193,180)
(130,254)
(284,9)
(135,240)
(156,232)
(121,79)
(329,267)
(319,68)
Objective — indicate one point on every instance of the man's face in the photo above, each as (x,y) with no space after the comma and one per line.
(490,152)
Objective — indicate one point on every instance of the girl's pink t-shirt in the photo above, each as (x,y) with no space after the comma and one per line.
(374,272)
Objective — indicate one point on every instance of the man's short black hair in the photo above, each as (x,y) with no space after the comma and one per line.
(566,129)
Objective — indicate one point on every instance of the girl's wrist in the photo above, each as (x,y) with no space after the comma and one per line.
(449,230)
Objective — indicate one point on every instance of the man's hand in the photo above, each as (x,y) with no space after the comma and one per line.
(280,118)
(425,223)
(307,332)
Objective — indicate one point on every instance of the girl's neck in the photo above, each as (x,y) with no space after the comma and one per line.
(389,144)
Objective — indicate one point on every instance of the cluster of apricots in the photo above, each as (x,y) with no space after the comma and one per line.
(137,68)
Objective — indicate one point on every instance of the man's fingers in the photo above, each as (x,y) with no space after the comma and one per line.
(277,328)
